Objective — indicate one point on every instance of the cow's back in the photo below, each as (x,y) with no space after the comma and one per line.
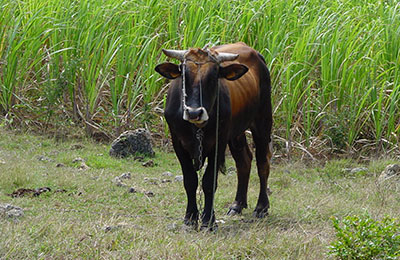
(246,93)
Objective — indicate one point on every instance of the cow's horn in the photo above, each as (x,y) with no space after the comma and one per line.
(224,56)
(177,54)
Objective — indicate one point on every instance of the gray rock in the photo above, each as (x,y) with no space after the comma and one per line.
(78,159)
(131,143)
(179,178)
(83,166)
(168,174)
(358,169)
(11,211)
(15,213)
(153,181)
(132,190)
(44,158)
(391,171)
(126,175)
(117,181)
(165,181)
(231,171)
(149,193)
(149,163)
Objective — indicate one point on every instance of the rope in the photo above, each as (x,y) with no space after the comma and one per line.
(216,151)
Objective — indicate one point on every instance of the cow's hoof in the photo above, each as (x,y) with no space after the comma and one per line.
(260,213)
(209,227)
(235,209)
(191,223)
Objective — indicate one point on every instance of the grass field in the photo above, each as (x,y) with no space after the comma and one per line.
(95,219)
(334,64)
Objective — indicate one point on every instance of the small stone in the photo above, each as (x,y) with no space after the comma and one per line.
(391,171)
(2,162)
(358,169)
(44,158)
(172,227)
(149,163)
(83,166)
(179,178)
(15,213)
(149,193)
(168,174)
(60,165)
(118,182)
(78,159)
(165,181)
(132,190)
(126,175)
(153,181)
(231,171)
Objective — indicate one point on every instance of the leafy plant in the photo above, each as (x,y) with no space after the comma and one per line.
(366,238)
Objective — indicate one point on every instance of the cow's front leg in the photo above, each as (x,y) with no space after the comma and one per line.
(190,182)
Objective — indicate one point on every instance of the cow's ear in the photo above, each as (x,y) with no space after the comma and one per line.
(233,71)
(168,70)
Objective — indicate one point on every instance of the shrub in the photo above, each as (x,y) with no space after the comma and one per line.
(366,238)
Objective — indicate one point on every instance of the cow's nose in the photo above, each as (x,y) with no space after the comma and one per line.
(195,113)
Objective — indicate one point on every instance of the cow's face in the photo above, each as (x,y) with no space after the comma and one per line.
(202,71)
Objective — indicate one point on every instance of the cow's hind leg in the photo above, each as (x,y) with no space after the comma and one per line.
(242,156)
(262,137)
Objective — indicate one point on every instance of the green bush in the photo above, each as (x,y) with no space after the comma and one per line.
(366,238)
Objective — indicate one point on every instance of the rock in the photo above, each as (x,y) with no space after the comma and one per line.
(15,213)
(179,178)
(44,158)
(116,227)
(132,190)
(358,169)
(60,165)
(10,211)
(131,143)
(119,182)
(126,175)
(231,171)
(391,171)
(165,181)
(78,159)
(153,181)
(168,174)
(149,163)
(83,166)
(149,193)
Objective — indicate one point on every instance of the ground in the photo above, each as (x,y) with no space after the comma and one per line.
(87,214)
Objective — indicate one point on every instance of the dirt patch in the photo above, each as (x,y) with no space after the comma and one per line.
(23,192)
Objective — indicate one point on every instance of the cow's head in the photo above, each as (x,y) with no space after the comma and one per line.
(199,72)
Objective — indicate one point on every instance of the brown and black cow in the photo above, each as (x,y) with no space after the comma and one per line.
(228,85)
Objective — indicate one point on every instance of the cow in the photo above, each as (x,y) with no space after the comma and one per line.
(225,89)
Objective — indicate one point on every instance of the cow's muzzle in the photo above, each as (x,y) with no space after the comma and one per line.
(197,116)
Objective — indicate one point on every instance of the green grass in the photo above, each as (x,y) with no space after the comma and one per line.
(72,224)
(334,64)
